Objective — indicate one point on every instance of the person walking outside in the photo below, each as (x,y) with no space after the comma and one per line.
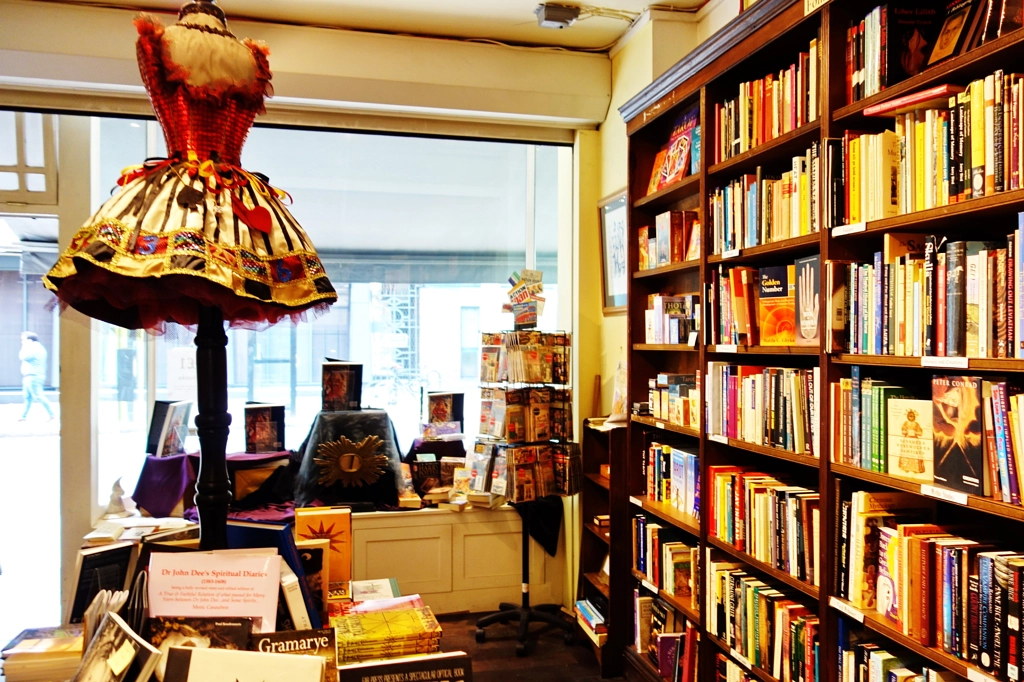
(33,373)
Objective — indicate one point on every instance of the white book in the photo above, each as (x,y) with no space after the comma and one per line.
(191,664)
(293,597)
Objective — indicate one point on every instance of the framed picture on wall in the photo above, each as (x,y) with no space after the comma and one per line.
(614,271)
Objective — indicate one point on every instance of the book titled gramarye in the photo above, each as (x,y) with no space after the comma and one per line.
(320,643)
(956,433)
(218,665)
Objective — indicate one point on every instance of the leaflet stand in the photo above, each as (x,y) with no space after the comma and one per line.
(524,613)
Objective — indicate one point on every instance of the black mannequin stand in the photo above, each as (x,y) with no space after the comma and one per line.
(524,613)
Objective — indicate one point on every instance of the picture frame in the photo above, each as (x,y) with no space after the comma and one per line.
(613,211)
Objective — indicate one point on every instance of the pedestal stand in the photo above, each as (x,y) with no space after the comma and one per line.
(213,491)
(524,613)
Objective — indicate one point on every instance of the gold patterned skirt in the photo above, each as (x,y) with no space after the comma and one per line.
(176,238)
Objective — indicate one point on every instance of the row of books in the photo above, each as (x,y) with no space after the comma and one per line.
(771,306)
(669,565)
(665,637)
(771,406)
(673,477)
(769,107)
(900,39)
(924,296)
(672,319)
(526,415)
(527,357)
(763,625)
(767,517)
(680,155)
(761,208)
(675,398)
(674,238)
(966,436)
(863,658)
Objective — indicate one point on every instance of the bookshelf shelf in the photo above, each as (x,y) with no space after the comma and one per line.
(678,605)
(642,666)
(979,364)
(1002,509)
(781,576)
(781,147)
(666,269)
(977,62)
(742,662)
(667,512)
(763,350)
(806,243)
(667,195)
(664,426)
(672,347)
(767,451)
(600,480)
(596,530)
(596,582)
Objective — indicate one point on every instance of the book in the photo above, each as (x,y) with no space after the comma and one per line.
(342,385)
(207,665)
(320,643)
(165,632)
(264,427)
(954,31)
(443,407)
(368,635)
(168,415)
(454,666)
(105,567)
(335,525)
(366,590)
(315,556)
(956,427)
(676,165)
(777,306)
(808,299)
(52,653)
(931,98)
(113,650)
(909,438)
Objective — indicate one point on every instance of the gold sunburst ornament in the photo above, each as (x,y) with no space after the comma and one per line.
(351,464)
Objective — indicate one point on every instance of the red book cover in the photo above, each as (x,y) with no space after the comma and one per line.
(651,454)
(1011,318)
(849,65)
(932,98)
(792,96)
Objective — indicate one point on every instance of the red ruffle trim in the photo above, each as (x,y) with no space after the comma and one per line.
(150,49)
(136,303)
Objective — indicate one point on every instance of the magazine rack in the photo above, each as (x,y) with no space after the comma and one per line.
(523,612)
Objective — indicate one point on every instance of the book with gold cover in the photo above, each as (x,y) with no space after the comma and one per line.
(329,523)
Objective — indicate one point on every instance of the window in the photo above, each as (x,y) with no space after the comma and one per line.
(470,330)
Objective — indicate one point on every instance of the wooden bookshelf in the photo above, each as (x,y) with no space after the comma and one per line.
(670,347)
(762,40)
(599,479)
(679,605)
(603,534)
(596,582)
(741,661)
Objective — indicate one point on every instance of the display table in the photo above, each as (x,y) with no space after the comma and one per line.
(354,425)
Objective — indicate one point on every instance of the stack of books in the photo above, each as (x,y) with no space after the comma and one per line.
(771,520)
(42,654)
(675,398)
(769,107)
(771,406)
(675,238)
(591,621)
(672,319)
(673,477)
(387,634)
(761,208)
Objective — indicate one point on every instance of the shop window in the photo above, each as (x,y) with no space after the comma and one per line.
(28,158)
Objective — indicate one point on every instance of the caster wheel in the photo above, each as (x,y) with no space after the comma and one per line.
(520,649)
(569,638)
(480,635)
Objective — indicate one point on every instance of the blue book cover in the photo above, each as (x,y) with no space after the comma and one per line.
(854,308)
(695,151)
(865,308)
(947,600)
(878,303)
(866,415)
(855,450)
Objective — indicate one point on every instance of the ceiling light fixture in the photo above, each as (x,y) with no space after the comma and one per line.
(550,15)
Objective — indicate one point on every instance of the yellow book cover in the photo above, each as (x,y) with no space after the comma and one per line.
(405,624)
(921,172)
(909,438)
(776,306)
(977,139)
(990,154)
(889,178)
(805,203)
(329,523)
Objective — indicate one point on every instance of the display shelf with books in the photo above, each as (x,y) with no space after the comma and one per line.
(814,326)
(668,269)
(669,194)
(666,512)
(684,607)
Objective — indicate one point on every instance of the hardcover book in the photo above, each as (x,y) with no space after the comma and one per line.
(452,667)
(201,633)
(106,567)
(909,438)
(264,427)
(168,427)
(442,407)
(776,306)
(320,643)
(335,525)
(368,590)
(677,159)
(218,665)
(808,299)
(956,433)
(113,650)
(910,36)
(342,385)
(954,29)
(315,556)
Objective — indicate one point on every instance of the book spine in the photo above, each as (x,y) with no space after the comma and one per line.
(985,607)
(999,411)
(973,619)
(998,141)
(956,339)
(940,307)
(928,295)
(978,138)
(876,304)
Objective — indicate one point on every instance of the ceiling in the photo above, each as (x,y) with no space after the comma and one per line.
(509,21)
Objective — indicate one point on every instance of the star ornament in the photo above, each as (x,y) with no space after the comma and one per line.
(350,464)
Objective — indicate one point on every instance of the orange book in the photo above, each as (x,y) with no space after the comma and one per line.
(776,306)
(659,163)
(333,524)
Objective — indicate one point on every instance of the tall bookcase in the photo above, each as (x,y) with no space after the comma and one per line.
(766,37)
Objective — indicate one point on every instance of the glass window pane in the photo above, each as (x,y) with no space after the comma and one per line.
(35,182)
(34,155)
(9,181)
(8,139)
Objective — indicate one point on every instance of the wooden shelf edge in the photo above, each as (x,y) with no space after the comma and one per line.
(597,531)
(664,425)
(670,514)
(979,364)
(782,576)
(672,347)
(601,587)
(984,504)
(688,185)
(600,480)
(806,130)
(877,622)
(771,248)
(777,453)
(679,606)
(665,269)
(923,220)
(765,350)
(762,675)
(641,665)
